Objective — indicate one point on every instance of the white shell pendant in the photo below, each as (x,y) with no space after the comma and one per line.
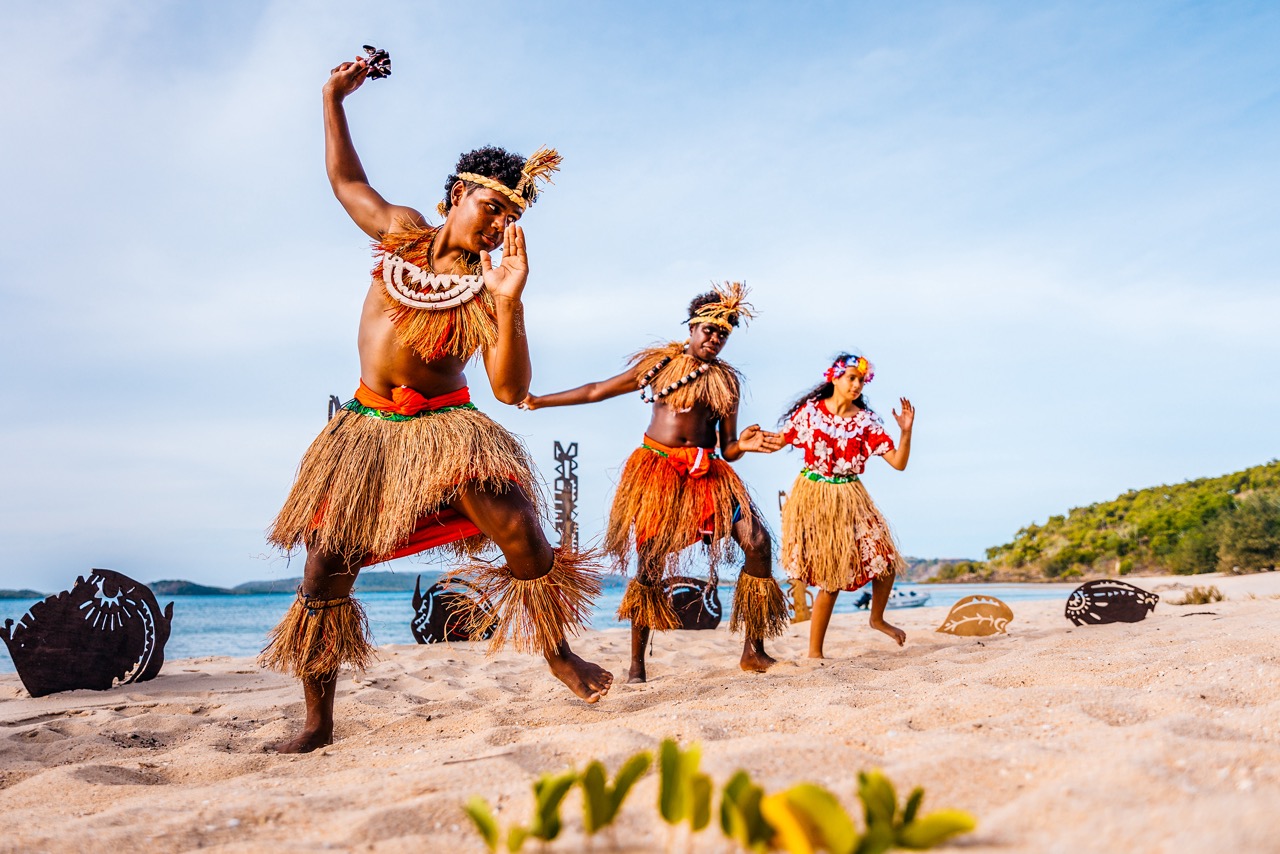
(431,291)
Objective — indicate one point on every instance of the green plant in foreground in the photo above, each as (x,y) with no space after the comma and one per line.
(600,801)
(807,818)
(803,819)
(740,816)
(549,792)
(889,829)
(684,792)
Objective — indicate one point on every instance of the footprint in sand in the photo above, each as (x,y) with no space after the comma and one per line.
(1115,714)
(110,775)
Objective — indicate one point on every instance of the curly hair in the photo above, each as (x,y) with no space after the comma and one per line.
(822,391)
(491,162)
(703,299)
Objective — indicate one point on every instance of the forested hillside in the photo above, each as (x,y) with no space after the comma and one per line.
(1227,523)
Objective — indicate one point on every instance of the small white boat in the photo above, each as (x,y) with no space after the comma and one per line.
(897,599)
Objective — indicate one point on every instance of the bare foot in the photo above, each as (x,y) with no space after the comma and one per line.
(636,673)
(755,659)
(892,631)
(305,741)
(589,681)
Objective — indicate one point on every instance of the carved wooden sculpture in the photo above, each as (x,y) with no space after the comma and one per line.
(566,494)
(104,631)
(441,614)
(976,617)
(695,601)
(1098,602)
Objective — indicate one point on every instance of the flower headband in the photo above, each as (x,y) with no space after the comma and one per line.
(726,311)
(540,166)
(858,364)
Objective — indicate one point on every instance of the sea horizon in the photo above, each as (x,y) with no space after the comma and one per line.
(237,626)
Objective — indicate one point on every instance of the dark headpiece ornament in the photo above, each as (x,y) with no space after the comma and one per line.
(728,310)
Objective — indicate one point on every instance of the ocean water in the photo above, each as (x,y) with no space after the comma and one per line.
(238,625)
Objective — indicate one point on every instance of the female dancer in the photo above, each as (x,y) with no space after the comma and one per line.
(833,535)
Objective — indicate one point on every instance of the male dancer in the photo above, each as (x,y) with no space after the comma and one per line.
(675,491)
(410,464)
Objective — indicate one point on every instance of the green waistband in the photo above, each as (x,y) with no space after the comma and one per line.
(712,455)
(818,478)
(360,409)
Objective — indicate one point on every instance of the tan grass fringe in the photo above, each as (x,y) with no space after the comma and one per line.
(460,331)
(537,615)
(648,606)
(718,389)
(317,636)
(369,480)
(658,510)
(759,608)
(832,534)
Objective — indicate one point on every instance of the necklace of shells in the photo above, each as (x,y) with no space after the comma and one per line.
(648,395)
(412,286)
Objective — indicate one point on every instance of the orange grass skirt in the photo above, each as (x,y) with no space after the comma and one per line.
(660,511)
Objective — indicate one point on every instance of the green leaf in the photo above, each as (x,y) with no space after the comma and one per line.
(878,798)
(808,818)
(630,772)
(677,770)
(913,805)
(516,837)
(740,816)
(548,795)
(595,800)
(477,809)
(877,840)
(671,801)
(935,828)
(699,802)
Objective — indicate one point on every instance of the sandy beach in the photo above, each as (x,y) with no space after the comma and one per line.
(1157,736)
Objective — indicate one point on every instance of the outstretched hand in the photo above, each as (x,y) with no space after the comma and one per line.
(529,404)
(346,78)
(508,278)
(908,416)
(760,441)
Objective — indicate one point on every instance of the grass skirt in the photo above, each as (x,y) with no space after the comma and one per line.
(539,614)
(365,481)
(759,608)
(317,636)
(834,537)
(659,511)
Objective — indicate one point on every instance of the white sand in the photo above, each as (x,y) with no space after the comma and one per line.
(1157,736)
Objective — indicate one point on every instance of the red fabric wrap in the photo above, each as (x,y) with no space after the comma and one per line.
(690,462)
(437,529)
(406,401)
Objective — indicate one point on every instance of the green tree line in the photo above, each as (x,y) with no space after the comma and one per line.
(1229,523)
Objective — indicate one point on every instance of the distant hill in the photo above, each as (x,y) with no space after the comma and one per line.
(187,588)
(20,594)
(1227,523)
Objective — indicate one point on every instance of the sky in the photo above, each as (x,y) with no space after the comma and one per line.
(1053,226)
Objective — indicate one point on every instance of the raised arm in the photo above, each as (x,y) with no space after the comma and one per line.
(374,214)
(752,440)
(589,393)
(507,360)
(898,456)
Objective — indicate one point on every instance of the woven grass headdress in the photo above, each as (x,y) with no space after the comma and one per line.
(540,166)
(729,310)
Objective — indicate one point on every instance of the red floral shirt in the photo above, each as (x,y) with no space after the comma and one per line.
(836,446)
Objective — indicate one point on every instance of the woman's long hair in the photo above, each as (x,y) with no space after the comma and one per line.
(822,391)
